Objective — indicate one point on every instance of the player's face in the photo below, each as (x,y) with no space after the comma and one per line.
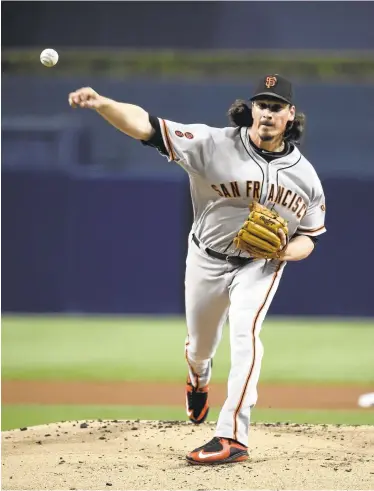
(270,117)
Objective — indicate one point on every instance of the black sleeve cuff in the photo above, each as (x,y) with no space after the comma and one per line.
(156,139)
(313,239)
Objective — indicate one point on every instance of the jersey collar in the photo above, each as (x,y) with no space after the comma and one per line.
(283,161)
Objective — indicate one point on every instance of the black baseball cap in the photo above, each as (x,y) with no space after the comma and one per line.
(274,86)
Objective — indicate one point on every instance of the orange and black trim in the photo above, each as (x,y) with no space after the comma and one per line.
(235,437)
(197,404)
(169,145)
(310,231)
(218,451)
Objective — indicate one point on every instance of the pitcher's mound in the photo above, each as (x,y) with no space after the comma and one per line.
(144,455)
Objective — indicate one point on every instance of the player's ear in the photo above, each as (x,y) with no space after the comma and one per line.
(292,113)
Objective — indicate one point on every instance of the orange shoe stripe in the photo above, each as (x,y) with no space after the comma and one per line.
(203,412)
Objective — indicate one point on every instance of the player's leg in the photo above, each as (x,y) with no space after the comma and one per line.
(251,293)
(207,302)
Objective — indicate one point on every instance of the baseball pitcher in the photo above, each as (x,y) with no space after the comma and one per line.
(258,203)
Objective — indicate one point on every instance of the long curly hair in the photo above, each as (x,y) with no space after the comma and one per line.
(240,114)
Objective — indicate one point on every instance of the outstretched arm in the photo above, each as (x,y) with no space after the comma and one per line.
(128,118)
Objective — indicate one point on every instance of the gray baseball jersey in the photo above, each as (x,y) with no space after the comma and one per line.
(226,174)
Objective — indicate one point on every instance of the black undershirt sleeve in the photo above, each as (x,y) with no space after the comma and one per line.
(313,239)
(156,139)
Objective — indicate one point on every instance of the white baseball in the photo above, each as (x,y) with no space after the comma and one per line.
(49,57)
(366,400)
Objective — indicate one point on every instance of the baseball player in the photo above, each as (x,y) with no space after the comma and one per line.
(258,203)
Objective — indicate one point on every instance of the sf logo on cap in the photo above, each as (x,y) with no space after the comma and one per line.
(270,82)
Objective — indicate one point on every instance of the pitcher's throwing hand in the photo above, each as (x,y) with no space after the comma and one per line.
(85,98)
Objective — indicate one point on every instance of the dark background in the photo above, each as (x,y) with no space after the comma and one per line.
(82,203)
(215,25)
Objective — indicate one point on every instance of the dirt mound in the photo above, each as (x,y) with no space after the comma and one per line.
(134,455)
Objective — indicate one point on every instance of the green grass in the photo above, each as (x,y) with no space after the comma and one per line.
(124,348)
(31,415)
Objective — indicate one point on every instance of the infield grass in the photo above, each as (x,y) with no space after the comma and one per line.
(301,351)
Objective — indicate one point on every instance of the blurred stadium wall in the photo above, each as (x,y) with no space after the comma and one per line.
(80,200)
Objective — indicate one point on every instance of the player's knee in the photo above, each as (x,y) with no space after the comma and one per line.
(199,356)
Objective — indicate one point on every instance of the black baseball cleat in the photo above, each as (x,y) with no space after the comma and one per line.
(218,451)
(197,406)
